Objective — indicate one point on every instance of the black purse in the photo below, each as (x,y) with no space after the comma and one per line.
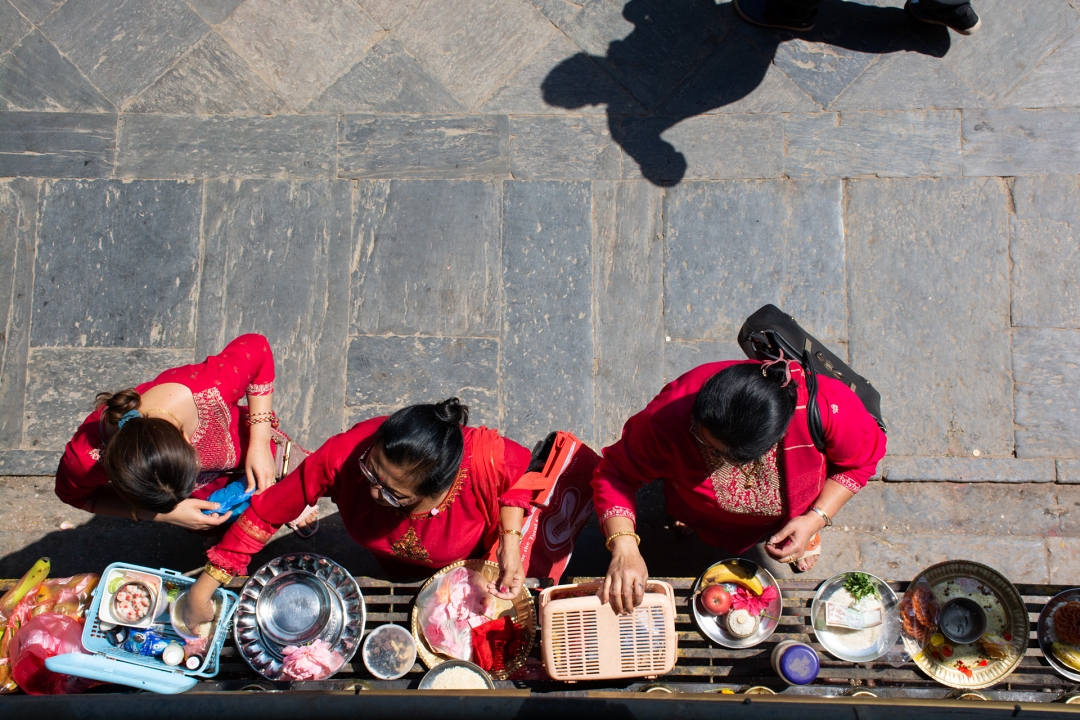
(770,330)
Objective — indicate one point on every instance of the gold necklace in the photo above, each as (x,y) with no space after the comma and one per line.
(179,425)
(748,475)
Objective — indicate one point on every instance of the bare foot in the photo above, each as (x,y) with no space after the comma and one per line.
(807,563)
(683,529)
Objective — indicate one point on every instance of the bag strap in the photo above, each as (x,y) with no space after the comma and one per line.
(766,343)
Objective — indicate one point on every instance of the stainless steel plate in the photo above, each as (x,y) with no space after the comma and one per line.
(1046,635)
(303,596)
(829,637)
(713,627)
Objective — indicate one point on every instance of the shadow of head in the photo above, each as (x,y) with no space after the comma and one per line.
(689,57)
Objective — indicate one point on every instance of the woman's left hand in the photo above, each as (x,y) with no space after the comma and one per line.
(511,572)
(789,543)
(259,466)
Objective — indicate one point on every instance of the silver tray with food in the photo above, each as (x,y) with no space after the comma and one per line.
(854,616)
(737,603)
(1059,633)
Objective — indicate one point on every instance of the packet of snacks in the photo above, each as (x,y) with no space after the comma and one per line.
(919,612)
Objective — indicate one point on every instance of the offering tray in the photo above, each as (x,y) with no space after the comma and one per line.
(831,638)
(713,627)
(1047,636)
(294,600)
(521,608)
(964,666)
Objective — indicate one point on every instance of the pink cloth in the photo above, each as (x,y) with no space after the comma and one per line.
(310,662)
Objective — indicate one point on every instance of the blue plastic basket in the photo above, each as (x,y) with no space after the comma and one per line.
(138,670)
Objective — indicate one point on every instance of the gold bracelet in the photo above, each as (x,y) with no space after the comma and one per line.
(217,573)
(511,532)
(612,536)
(134,515)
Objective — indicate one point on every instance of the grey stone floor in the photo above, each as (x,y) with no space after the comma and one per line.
(549,208)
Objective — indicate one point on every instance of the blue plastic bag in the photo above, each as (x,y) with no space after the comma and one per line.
(234,496)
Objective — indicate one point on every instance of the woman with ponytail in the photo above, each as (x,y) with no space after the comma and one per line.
(419,489)
(156,451)
(731,441)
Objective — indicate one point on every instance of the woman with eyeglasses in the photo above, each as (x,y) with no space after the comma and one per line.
(732,444)
(419,489)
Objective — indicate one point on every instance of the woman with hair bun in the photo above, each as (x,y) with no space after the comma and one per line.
(419,489)
(157,451)
(732,443)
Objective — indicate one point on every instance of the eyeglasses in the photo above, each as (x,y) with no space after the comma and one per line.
(371,478)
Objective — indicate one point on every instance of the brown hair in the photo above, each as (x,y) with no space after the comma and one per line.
(148,461)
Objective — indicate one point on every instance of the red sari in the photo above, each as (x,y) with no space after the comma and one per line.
(463,525)
(710,496)
(244,367)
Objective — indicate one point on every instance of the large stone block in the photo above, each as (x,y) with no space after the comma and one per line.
(564,148)
(13,26)
(300,48)
(470,46)
(971,509)
(386,80)
(211,79)
(1045,251)
(1068,504)
(29,462)
(628,284)
(902,143)
(1064,560)
(50,144)
(37,10)
(1013,141)
(129,254)
(1068,472)
(1024,33)
(34,76)
(900,468)
(682,357)
(277,262)
(1047,386)
(18,231)
(939,250)
(559,12)
(427,146)
(193,146)
(1053,82)
(429,258)
(62,382)
(214,12)
(718,147)
(902,556)
(388,373)
(907,81)
(124,45)
(821,70)
(732,247)
(546,362)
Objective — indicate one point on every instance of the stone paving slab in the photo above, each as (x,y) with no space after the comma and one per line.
(13,26)
(1013,141)
(18,230)
(907,81)
(968,470)
(1068,472)
(37,10)
(57,145)
(34,76)
(1052,82)
(1047,380)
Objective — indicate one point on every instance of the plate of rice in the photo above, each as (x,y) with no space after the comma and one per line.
(865,595)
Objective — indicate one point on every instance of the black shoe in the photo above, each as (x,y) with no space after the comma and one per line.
(762,14)
(961,18)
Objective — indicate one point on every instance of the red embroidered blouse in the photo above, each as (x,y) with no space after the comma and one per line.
(463,526)
(727,509)
(244,367)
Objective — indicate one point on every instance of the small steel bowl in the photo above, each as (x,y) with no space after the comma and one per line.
(293,608)
(962,620)
(149,612)
(429,678)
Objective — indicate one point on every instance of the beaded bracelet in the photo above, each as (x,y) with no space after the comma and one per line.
(612,536)
(270,417)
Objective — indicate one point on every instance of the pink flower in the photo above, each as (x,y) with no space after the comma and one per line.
(310,662)
(743,599)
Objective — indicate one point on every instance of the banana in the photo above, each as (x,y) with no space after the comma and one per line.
(1067,654)
(732,573)
(33,577)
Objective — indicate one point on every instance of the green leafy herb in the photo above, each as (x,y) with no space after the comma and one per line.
(860,585)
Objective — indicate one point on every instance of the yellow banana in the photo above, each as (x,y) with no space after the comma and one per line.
(33,577)
(1067,654)
(732,573)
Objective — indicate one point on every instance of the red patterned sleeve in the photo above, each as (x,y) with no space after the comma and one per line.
(244,367)
(854,444)
(81,474)
(515,462)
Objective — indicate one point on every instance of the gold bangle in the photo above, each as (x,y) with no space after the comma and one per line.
(612,536)
(217,573)
(511,532)
(134,515)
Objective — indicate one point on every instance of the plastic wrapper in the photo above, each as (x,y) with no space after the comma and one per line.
(451,607)
(496,643)
(919,612)
(44,636)
(310,662)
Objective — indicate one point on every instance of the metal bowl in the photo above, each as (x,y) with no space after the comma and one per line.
(377,666)
(828,637)
(428,679)
(714,627)
(962,620)
(1047,636)
(293,600)
(151,610)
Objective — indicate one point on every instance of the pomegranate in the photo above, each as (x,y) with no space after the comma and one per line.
(716,600)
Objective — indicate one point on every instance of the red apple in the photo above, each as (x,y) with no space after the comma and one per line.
(716,600)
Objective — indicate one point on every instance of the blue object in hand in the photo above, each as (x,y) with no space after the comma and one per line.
(234,496)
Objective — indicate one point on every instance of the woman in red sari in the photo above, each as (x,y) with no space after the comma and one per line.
(732,443)
(419,489)
(156,451)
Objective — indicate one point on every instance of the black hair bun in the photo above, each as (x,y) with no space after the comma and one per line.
(452,411)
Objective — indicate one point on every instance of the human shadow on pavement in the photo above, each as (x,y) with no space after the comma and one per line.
(687,57)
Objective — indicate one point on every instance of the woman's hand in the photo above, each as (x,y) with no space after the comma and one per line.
(259,466)
(188,514)
(511,572)
(199,602)
(790,542)
(624,585)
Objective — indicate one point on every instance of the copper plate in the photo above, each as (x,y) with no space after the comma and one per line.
(524,614)
(1016,624)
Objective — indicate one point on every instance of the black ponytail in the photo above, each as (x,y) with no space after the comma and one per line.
(426,441)
(746,409)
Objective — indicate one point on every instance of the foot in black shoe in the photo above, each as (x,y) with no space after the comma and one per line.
(961,18)
(764,13)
